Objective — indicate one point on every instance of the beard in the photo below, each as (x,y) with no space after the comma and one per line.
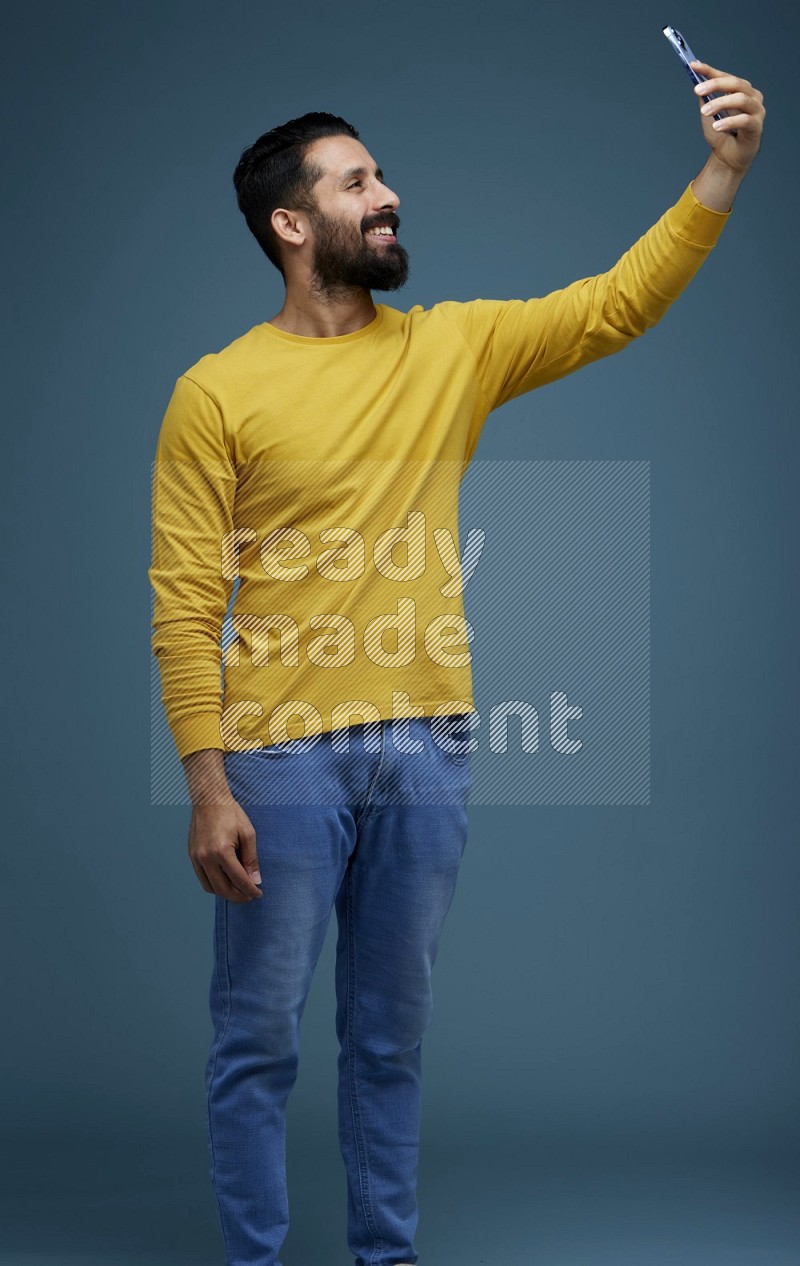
(342,262)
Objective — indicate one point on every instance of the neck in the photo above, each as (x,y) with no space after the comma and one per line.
(315,318)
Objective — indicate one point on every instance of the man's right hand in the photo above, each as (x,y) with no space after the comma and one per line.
(215,833)
(218,828)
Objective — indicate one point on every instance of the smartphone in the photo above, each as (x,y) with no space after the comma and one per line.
(686,55)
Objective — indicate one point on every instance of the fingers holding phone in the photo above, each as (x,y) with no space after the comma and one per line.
(735,137)
(731,109)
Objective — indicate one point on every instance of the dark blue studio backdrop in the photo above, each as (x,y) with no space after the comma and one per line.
(611,1073)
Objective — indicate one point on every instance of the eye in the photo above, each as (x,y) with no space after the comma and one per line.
(355,182)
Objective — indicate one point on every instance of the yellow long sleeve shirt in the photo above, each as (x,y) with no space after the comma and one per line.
(324,474)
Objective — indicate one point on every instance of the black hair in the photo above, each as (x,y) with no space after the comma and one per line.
(273,172)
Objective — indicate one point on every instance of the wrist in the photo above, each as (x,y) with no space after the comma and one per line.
(205,777)
(716,185)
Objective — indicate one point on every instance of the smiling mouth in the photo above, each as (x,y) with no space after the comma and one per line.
(382,236)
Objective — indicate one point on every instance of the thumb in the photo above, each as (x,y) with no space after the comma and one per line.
(248,854)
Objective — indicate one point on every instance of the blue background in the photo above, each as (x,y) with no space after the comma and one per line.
(611,1075)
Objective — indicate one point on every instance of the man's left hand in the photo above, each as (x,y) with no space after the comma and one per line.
(745,106)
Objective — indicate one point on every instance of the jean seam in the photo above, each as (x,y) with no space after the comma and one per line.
(222,941)
(361,1159)
(366,807)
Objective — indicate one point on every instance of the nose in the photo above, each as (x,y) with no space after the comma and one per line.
(390,199)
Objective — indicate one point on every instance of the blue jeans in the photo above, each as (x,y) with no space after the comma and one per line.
(378,832)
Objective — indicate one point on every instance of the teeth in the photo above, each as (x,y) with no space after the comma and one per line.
(383,229)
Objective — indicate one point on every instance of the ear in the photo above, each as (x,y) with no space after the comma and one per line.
(287,226)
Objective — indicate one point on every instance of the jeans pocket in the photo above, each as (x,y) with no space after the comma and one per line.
(456,736)
(252,757)
(457,757)
(272,751)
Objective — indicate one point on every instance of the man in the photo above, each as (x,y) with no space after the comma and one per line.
(297,459)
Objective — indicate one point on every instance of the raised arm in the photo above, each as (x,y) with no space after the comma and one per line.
(520,344)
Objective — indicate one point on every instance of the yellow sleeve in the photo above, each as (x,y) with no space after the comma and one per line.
(194,483)
(519,344)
